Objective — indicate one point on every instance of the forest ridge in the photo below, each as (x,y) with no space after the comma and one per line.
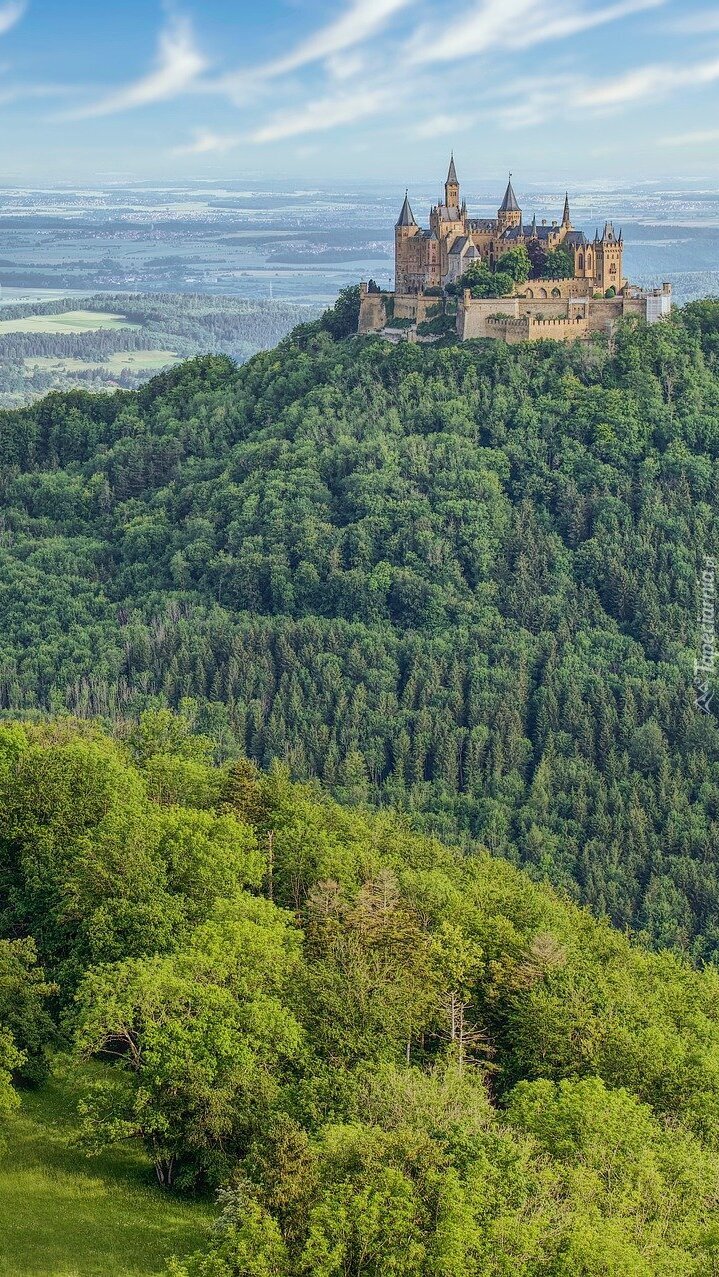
(461,580)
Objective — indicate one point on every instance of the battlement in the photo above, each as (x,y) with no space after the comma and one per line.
(568,317)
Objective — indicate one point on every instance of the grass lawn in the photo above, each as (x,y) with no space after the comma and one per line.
(65,1215)
(74,321)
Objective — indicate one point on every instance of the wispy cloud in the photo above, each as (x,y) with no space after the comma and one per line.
(178,67)
(646,82)
(703,22)
(444,126)
(701,137)
(514,24)
(363,19)
(546,97)
(10,15)
(331,44)
(326,113)
(205,142)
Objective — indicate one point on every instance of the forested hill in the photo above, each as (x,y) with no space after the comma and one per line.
(462,579)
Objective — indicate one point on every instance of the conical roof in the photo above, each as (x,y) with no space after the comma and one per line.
(452,174)
(566,219)
(509,203)
(406,216)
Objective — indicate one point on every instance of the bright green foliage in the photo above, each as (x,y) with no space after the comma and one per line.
(484,282)
(558,264)
(26,1028)
(515,262)
(394,1059)
(200,1037)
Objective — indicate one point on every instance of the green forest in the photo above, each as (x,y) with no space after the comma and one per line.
(459,580)
(386,1056)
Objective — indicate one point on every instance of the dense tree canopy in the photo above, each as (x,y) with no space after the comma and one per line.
(461,580)
(391,1057)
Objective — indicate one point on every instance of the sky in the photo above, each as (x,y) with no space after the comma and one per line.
(587,91)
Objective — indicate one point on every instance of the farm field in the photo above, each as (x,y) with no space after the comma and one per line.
(140,360)
(71,321)
(63,1214)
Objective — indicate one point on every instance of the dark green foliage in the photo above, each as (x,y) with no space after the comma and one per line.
(462,580)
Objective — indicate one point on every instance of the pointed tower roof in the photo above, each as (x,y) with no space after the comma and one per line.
(509,203)
(406,216)
(566,219)
(533,231)
(452,174)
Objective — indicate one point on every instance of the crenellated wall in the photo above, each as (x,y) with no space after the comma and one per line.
(519,318)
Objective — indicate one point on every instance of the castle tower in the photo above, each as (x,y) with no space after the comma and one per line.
(566,218)
(509,213)
(407,240)
(608,253)
(451,186)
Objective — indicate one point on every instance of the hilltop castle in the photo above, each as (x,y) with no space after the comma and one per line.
(432,258)
(588,294)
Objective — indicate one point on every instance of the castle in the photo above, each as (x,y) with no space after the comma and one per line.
(588,294)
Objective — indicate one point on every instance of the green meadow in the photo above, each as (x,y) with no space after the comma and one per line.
(64,1214)
(139,360)
(72,321)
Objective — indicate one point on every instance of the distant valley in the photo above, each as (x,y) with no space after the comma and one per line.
(111,342)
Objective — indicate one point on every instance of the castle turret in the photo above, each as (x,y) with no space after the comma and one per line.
(406,216)
(608,260)
(509,213)
(407,250)
(566,218)
(451,186)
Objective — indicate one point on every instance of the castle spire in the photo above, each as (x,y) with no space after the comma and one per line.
(533,231)
(509,203)
(406,216)
(451,186)
(566,219)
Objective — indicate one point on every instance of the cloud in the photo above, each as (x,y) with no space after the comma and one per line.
(701,137)
(543,98)
(705,22)
(443,126)
(11,14)
(205,142)
(178,66)
(326,113)
(646,82)
(361,21)
(514,24)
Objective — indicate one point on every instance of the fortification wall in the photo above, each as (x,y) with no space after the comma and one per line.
(556,288)
(373,312)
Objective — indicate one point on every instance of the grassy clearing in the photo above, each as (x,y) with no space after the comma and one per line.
(74,321)
(140,360)
(65,1215)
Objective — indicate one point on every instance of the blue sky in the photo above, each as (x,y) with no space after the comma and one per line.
(577,90)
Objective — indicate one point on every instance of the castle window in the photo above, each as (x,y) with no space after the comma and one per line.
(581,262)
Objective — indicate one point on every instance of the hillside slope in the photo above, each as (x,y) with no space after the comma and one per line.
(463,580)
(394,1060)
